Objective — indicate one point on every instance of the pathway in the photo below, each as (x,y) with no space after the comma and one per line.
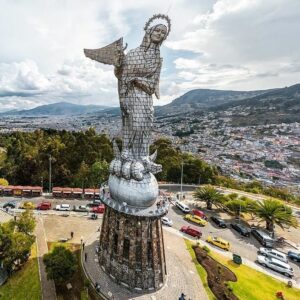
(48,287)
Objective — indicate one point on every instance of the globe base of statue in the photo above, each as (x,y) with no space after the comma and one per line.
(131,250)
(134,193)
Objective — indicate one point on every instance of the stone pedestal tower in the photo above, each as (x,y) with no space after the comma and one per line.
(131,240)
(132,250)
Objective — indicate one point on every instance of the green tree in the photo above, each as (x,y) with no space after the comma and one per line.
(60,264)
(273,212)
(3,182)
(98,173)
(82,175)
(14,246)
(210,196)
(26,222)
(20,249)
(236,206)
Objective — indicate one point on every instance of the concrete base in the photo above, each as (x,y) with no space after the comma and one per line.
(132,250)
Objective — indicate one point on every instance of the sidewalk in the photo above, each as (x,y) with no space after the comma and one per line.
(48,287)
(182,274)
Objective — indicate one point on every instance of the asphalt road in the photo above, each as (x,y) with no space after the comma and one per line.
(247,247)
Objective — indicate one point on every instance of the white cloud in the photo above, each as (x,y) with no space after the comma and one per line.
(257,38)
(237,44)
(79,81)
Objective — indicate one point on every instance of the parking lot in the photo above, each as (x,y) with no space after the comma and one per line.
(247,247)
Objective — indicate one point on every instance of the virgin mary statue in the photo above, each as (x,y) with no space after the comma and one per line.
(138,74)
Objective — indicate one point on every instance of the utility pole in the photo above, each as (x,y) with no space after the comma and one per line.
(42,183)
(181,179)
(50,173)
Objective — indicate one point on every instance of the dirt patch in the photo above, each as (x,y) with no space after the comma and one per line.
(217,275)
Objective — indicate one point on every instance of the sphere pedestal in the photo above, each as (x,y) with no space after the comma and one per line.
(132,250)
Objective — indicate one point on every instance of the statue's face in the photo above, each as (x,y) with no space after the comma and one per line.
(158,34)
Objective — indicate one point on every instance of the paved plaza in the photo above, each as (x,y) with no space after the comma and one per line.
(182,274)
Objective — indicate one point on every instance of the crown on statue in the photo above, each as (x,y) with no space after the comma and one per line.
(159,16)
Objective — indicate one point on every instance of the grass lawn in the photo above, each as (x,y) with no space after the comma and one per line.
(201,271)
(24,284)
(252,284)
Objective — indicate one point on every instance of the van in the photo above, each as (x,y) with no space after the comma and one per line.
(65,207)
(263,238)
(183,207)
(273,253)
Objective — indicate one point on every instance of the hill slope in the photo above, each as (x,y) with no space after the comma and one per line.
(204,99)
(276,106)
(60,108)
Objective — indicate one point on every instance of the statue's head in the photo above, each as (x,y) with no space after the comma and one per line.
(158,33)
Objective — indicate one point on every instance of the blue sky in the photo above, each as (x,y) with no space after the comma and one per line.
(221,44)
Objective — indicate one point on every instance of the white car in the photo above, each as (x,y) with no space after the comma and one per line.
(166,221)
(276,265)
(63,207)
(273,254)
(183,207)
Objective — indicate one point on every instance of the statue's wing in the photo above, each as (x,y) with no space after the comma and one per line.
(111,54)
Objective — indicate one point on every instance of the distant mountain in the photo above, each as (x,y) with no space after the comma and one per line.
(57,109)
(204,99)
(276,106)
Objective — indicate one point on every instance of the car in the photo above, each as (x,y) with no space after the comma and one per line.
(199,213)
(81,208)
(243,230)
(263,238)
(191,231)
(27,205)
(276,265)
(273,253)
(166,221)
(63,207)
(94,204)
(195,219)
(10,204)
(98,209)
(183,207)
(219,242)
(294,256)
(44,206)
(220,222)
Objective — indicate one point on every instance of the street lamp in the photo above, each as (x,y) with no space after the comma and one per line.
(50,173)
(181,179)
(42,184)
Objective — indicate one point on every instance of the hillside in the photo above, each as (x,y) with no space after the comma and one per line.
(60,108)
(202,99)
(273,107)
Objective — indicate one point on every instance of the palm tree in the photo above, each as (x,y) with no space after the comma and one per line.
(209,195)
(273,212)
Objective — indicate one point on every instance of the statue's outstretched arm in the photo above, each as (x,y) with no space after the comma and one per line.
(150,85)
